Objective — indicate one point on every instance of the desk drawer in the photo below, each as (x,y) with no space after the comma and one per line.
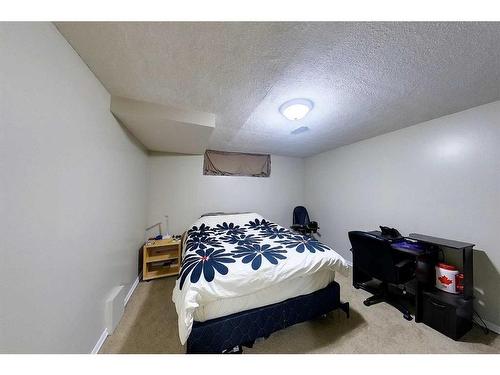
(438,315)
(451,320)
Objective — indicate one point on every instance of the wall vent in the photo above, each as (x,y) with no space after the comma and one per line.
(114,308)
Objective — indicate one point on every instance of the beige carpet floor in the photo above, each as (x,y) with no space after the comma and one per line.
(149,325)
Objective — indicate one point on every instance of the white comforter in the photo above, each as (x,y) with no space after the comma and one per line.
(230,256)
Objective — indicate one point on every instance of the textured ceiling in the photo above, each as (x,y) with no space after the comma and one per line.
(365,79)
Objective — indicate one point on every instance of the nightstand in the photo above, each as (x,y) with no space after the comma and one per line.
(161,258)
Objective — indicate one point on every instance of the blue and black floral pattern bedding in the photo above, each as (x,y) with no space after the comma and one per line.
(234,255)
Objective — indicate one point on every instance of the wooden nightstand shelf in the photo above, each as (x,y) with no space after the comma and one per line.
(161,258)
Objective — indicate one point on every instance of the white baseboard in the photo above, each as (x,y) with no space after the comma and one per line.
(132,288)
(491,326)
(99,342)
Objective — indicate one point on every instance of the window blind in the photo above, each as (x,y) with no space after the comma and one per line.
(222,163)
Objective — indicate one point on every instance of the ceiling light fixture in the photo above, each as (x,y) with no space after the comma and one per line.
(296,109)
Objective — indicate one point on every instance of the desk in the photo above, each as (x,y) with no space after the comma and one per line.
(450,314)
(425,256)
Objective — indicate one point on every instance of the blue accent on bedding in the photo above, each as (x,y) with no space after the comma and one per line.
(205,254)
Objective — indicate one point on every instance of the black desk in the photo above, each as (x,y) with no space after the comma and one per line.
(425,259)
(448,313)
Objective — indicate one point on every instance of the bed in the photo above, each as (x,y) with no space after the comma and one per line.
(243,277)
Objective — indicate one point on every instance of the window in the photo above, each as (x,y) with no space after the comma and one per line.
(222,163)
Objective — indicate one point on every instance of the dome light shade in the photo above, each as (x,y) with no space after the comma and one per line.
(296,109)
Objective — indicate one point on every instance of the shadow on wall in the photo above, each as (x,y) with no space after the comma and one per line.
(486,284)
(139,260)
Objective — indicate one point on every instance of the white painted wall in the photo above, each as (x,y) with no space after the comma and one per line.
(74,188)
(179,189)
(72,197)
(441,178)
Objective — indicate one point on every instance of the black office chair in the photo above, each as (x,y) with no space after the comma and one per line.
(374,257)
(302,223)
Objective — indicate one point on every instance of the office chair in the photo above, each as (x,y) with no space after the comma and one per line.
(302,223)
(374,257)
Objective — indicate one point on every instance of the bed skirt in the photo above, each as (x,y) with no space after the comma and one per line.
(227,332)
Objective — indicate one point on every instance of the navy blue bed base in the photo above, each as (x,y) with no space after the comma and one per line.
(221,334)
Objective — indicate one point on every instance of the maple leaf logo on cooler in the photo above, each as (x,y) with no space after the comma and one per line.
(444,280)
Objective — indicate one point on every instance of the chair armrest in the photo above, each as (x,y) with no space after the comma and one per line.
(313,224)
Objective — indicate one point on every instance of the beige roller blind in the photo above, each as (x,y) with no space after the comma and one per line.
(222,163)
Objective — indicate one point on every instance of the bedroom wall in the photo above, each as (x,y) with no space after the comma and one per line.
(179,189)
(441,178)
(73,195)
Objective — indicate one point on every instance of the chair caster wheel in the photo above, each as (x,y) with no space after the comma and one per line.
(407,317)
(366,303)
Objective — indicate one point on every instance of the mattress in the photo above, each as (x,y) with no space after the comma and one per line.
(273,294)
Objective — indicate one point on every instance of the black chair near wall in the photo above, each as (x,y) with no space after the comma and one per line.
(374,257)
(302,223)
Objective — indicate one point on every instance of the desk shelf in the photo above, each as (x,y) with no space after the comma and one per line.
(467,257)
(451,244)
